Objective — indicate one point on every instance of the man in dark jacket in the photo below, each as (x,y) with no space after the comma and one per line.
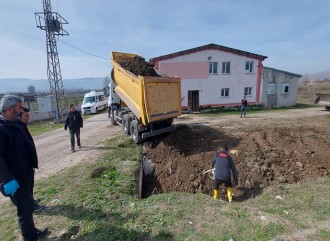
(244,104)
(224,165)
(17,160)
(74,121)
(25,118)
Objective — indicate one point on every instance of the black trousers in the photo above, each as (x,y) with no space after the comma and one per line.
(32,183)
(23,200)
(218,182)
(72,134)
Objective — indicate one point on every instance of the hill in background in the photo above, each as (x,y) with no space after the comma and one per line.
(21,84)
(324,75)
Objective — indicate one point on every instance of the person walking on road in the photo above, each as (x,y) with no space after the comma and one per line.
(74,121)
(224,166)
(25,118)
(244,104)
(17,161)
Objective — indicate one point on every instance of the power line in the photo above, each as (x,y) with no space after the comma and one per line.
(83,50)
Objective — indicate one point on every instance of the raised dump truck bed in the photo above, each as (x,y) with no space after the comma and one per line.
(146,105)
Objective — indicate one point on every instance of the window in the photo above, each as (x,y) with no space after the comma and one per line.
(90,99)
(285,88)
(225,92)
(249,67)
(248,91)
(270,88)
(213,67)
(226,67)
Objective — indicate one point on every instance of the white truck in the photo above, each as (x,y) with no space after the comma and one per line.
(93,102)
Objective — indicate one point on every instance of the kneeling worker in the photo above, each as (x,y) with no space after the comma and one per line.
(224,165)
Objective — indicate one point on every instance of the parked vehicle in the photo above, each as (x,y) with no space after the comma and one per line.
(323,99)
(144,105)
(93,102)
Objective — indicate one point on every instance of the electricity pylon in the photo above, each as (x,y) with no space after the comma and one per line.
(52,23)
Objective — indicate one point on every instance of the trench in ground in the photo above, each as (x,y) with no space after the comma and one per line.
(266,156)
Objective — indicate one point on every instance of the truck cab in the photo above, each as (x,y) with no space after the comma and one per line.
(94,102)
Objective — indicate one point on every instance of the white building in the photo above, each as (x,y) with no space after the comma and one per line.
(215,75)
(278,88)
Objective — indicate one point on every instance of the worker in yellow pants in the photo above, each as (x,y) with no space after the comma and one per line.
(224,166)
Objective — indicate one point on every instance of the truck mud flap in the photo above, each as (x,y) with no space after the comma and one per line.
(157,132)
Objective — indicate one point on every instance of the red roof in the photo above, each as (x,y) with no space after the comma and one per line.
(208,47)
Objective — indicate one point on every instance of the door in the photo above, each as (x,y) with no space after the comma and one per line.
(193,100)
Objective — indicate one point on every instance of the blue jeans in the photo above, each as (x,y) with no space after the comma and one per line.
(243,110)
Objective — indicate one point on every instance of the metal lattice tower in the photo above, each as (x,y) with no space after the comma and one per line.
(52,23)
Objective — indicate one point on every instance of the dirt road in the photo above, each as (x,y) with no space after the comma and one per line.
(54,147)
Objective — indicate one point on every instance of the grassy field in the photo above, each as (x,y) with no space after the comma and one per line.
(98,201)
(39,127)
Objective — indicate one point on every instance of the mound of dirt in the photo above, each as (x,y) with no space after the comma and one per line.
(267,155)
(139,66)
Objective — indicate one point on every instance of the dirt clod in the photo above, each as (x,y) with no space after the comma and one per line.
(139,66)
(271,154)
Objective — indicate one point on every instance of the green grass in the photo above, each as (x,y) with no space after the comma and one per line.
(253,108)
(98,201)
(39,127)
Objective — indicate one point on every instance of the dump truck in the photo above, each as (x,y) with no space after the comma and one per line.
(144,106)
(323,99)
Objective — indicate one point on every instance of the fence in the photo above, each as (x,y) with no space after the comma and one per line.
(35,115)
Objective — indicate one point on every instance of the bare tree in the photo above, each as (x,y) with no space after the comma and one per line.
(106,81)
(31,89)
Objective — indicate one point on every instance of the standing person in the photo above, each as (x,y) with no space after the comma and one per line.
(224,165)
(25,117)
(17,160)
(243,106)
(74,121)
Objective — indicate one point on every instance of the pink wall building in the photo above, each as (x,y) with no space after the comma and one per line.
(214,75)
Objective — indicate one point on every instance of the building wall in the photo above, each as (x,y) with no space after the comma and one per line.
(193,69)
(277,80)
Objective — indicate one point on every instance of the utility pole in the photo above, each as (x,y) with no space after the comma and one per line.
(52,23)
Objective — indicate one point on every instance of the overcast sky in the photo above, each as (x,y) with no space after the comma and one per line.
(294,34)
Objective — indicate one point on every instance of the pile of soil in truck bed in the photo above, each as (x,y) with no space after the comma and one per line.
(272,152)
(139,66)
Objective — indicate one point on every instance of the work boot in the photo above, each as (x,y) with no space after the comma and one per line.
(38,207)
(72,149)
(230,194)
(42,233)
(216,193)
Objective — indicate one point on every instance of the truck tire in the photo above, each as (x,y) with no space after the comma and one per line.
(112,117)
(134,129)
(126,124)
